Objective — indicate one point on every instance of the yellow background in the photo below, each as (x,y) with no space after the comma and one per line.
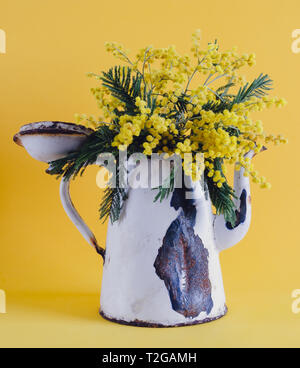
(51,277)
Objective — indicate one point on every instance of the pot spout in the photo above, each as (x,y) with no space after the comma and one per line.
(48,141)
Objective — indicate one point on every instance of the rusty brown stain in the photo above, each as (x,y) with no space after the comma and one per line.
(182,262)
(56,126)
(17,139)
(99,249)
(138,323)
(52,131)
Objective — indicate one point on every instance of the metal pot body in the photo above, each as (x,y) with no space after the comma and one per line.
(162,265)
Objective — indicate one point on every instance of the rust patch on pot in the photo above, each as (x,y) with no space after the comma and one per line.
(17,140)
(99,249)
(51,128)
(182,262)
(138,323)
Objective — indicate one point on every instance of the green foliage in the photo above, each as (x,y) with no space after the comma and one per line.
(222,91)
(76,163)
(112,203)
(222,197)
(113,199)
(258,88)
(124,86)
(167,188)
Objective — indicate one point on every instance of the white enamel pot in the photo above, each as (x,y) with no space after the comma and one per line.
(161,261)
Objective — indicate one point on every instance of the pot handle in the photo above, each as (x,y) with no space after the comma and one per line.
(76,218)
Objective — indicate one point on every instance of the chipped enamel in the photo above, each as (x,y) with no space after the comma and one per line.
(132,291)
(226,237)
(131,288)
(55,125)
(135,287)
(50,141)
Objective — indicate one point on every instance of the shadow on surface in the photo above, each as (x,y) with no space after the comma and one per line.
(84,307)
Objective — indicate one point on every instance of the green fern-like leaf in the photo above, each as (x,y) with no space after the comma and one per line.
(76,163)
(217,107)
(124,86)
(223,90)
(112,203)
(167,188)
(222,198)
(258,88)
(151,101)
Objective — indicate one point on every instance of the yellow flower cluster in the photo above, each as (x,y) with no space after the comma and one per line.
(129,127)
(88,121)
(185,119)
(117,50)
